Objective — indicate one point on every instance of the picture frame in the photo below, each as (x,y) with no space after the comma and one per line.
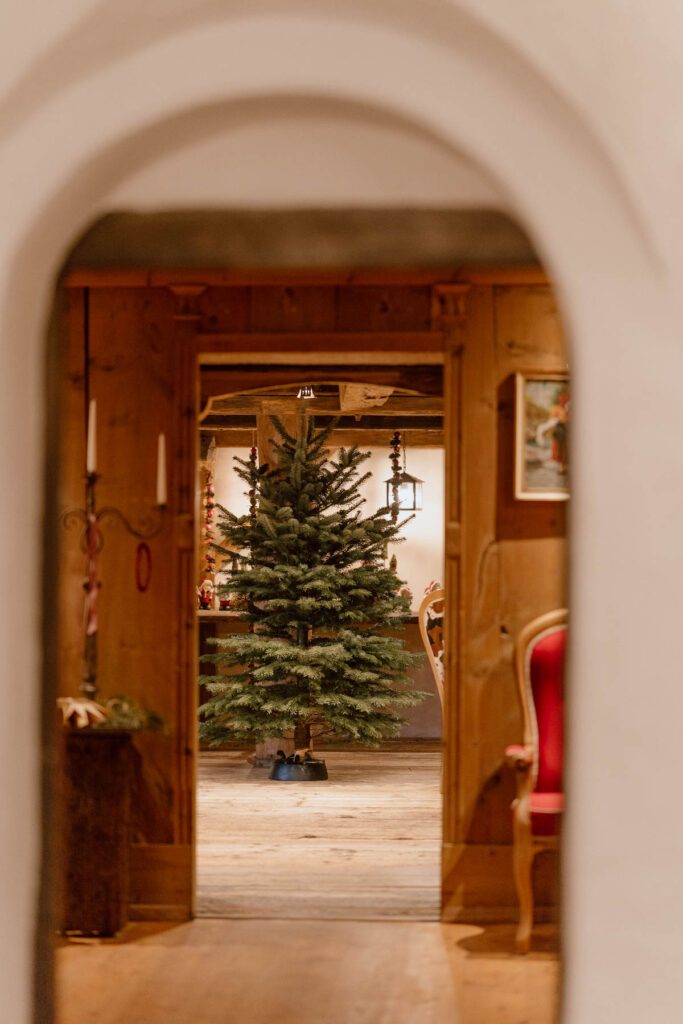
(542,414)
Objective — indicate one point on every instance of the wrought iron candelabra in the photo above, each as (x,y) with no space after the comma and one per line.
(92,541)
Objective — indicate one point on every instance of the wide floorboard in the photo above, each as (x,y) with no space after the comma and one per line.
(365,845)
(311,972)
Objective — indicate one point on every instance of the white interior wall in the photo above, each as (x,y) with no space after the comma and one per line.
(421,554)
(304,155)
(572,109)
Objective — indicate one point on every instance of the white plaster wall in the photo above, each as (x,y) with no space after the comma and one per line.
(573,109)
(421,554)
(332,155)
(230,490)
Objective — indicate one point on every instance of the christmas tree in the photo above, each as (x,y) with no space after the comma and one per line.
(321,602)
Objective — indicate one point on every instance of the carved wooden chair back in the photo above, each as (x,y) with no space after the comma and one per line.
(430,619)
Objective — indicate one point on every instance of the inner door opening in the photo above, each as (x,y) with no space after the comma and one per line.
(365,844)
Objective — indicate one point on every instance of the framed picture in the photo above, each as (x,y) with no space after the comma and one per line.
(542,411)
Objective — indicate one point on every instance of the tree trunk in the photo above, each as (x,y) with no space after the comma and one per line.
(302,737)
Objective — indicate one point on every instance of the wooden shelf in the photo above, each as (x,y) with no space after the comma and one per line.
(216,613)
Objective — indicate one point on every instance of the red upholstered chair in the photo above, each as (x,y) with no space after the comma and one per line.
(537,809)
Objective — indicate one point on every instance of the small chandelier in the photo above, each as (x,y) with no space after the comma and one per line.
(306,391)
(403,489)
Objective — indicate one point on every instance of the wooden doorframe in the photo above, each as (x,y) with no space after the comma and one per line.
(439,350)
(463,336)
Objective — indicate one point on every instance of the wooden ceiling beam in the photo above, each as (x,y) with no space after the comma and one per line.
(321,341)
(426,380)
(144,277)
(405,405)
(230,437)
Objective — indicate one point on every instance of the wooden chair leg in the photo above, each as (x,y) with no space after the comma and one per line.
(522,856)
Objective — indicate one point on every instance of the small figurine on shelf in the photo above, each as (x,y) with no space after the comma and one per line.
(206,593)
(224,604)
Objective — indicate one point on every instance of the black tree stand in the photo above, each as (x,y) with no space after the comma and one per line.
(296,768)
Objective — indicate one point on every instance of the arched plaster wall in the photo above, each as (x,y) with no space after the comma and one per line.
(564,109)
(304,153)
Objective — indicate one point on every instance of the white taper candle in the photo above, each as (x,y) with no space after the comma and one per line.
(91,449)
(161,470)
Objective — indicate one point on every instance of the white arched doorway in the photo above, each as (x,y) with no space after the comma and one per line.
(469,90)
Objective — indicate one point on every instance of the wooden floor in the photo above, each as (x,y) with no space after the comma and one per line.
(312,972)
(365,845)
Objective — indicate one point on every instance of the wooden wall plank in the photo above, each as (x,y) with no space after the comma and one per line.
(290,308)
(225,309)
(480,558)
(84,276)
(131,376)
(160,882)
(72,494)
(514,568)
(391,308)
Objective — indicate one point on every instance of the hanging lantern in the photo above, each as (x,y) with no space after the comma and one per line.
(404,491)
(409,492)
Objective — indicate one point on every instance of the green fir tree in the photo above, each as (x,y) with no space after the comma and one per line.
(322,603)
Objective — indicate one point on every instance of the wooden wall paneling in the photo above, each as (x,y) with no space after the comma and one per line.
(480,557)
(132,377)
(84,275)
(529,333)
(512,569)
(81,275)
(293,308)
(71,494)
(224,309)
(464,865)
(391,308)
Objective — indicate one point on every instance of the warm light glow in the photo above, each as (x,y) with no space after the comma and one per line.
(306,391)
(409,492)
(410,497)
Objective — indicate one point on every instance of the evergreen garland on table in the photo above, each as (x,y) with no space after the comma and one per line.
(318,660)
